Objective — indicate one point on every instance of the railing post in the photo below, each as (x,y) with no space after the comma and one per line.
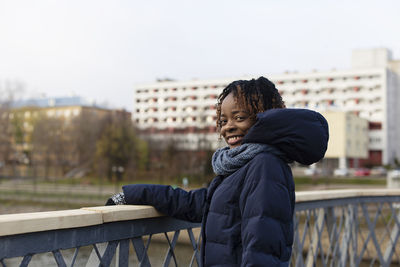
(332,232)
(95,255)
(347,234)
(394,236)
(141,252)
(312,254)
(354,236)
(298,243)
(122,254)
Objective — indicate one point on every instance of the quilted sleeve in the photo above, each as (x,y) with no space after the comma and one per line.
(267,205)
(176,203)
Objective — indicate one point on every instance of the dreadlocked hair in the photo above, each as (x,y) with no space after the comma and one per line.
(254,95)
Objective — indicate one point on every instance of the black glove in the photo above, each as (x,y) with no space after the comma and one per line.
(110,202)
(117,199)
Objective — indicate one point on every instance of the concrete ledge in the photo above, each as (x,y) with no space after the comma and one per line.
(11,224)
(124,212)
(343,193)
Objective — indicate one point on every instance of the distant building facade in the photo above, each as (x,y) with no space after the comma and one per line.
(25,114)
(348,139)
(370,90)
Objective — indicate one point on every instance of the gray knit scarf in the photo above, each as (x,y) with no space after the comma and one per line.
(226,161)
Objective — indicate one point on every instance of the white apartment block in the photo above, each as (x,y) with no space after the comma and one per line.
(370,89)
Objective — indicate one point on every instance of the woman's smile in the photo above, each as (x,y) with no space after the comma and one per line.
(235,121)
(233,140)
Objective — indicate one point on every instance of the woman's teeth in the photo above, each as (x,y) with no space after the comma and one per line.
(233,138)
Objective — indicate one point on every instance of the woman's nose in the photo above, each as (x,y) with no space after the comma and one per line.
(229,126)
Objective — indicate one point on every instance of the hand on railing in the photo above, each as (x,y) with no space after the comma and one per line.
(117,199)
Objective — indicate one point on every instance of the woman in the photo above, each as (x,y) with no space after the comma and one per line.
(247,211)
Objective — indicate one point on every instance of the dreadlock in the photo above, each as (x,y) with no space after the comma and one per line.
(254,95)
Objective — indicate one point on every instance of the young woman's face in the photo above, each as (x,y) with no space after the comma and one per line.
(235,121)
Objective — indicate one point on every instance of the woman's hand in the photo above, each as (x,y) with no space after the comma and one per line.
(117,199)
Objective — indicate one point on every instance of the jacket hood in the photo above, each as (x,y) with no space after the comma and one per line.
(301,134)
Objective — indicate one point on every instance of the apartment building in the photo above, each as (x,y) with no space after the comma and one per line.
(25,114)
(185,110)
(348,139)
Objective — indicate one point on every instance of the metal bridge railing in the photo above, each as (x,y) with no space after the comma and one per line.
(332,228)
(97,236)
(347,228)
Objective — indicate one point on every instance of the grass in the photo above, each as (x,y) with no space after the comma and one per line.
(100,182)
(56,205)
(304,180)
(26,193)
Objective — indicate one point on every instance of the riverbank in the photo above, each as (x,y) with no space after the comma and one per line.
(18,196)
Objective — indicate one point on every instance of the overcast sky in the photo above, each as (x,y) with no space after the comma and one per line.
(101,49)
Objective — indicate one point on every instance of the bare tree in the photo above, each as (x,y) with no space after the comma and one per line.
(50,147)
(9,90)
(116,146)
(84,131)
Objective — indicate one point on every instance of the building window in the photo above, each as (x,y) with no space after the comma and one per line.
(374,125)
(212,96)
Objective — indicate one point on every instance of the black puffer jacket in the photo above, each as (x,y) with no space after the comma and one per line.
(247,217)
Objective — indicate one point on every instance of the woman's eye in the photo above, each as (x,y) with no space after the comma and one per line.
(240,118)
(222,122)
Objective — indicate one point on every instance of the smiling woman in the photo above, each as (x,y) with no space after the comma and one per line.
(238,105)
(234,122)
(247,210)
